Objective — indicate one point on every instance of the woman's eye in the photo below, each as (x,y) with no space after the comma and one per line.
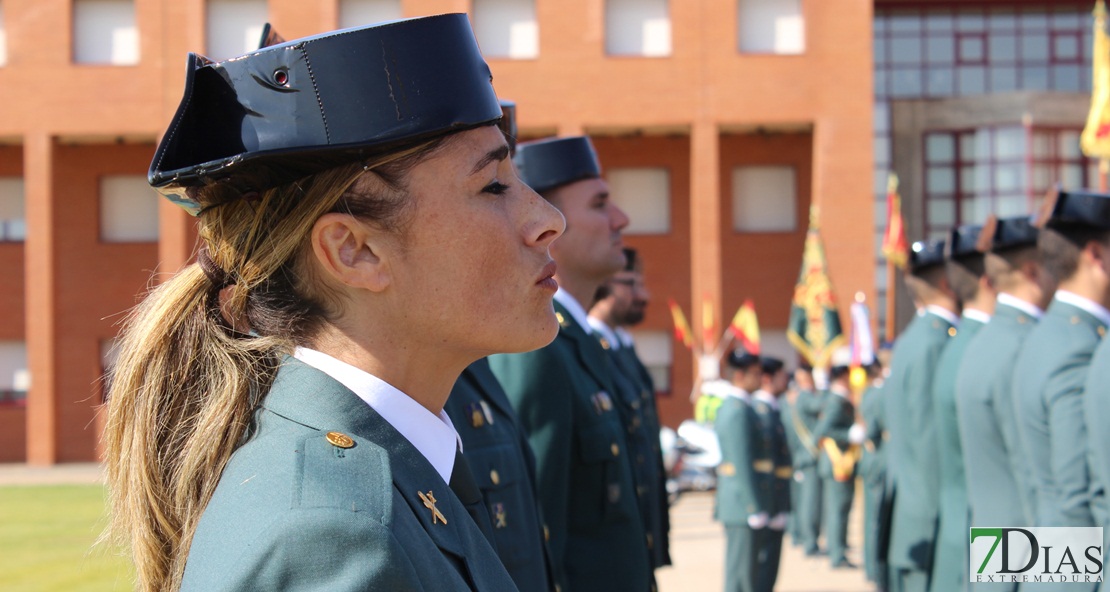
(496,188)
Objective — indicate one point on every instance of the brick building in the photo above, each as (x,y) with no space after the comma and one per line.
(719,122)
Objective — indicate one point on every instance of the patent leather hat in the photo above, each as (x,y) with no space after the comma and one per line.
(554,162)
(336,97)
(925,254)
(1077,209)
(1003,234)
(963,247)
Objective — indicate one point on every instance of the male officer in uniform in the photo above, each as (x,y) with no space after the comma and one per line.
(973,289)
(837,465)
(1051,370)
(995,465)
(500,458)
(620,303)
(872,468)
(765,404)
(803,418)
(744,503)
(913,471)
(794,445)
(564,393)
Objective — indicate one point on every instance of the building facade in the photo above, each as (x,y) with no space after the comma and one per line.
(718,122)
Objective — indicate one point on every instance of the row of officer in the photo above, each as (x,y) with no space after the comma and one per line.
(987,413)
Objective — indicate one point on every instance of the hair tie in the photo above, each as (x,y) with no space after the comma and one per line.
(219,278)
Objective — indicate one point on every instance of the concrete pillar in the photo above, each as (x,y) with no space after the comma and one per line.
(41,261)
(705,224)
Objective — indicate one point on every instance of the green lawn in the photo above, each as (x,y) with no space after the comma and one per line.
(46,541)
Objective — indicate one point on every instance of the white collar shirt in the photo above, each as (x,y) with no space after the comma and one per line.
(573,307)
(1097,310)
(1026,307)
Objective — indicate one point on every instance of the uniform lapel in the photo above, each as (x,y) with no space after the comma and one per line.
(590,353)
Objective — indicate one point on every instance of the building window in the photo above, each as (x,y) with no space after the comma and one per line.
(234,27)
(764,199)
(507,28)
(128,210)
(3,38)
(13,226)
(104,32)
(771,26)
(645,195)
(15,378)
(637,28)
(655,349)
(1002,170)
(356,13)
(951,50)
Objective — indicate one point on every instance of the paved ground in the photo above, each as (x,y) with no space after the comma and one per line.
(697,542)
(698,550)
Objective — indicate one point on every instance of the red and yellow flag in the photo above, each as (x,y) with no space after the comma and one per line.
(895,245)
(1095,140)
(745,326)
(682,331)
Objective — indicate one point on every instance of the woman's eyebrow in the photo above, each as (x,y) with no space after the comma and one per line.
(496,155)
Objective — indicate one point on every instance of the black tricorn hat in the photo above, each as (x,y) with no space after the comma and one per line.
(553,162)
(340,96)
(742,360)
(1003,234)
(925,254)
(1076,209)
(963,243)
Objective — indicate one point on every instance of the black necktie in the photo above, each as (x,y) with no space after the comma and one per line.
(462,483)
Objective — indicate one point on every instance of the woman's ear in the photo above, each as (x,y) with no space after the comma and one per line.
(351,251)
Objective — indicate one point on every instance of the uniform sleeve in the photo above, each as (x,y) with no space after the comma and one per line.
(1067,430)
(538,385)
(309,551)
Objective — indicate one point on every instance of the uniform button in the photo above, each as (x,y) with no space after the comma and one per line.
(616,449)
(650,541)
(494,476)
(557,588)
(340,440)
(546,533)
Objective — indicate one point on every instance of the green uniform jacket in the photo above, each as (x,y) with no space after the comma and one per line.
(912,464)
(807,410)
(641,422)
(563,395)
(950,566)
(741,491)
(836,420)
(773,447)
(497,451)
(993,456)
(294,512)
(1049,379)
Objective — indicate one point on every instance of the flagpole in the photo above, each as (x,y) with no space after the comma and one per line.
(891,293)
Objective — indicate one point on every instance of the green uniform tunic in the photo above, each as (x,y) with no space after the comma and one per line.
(300,508)
(950,568)
(913,468)
(565,398)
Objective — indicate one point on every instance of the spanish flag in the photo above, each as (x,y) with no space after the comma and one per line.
(745,327)
(814,326)
(895,245)
(682,331)
(1095,140)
